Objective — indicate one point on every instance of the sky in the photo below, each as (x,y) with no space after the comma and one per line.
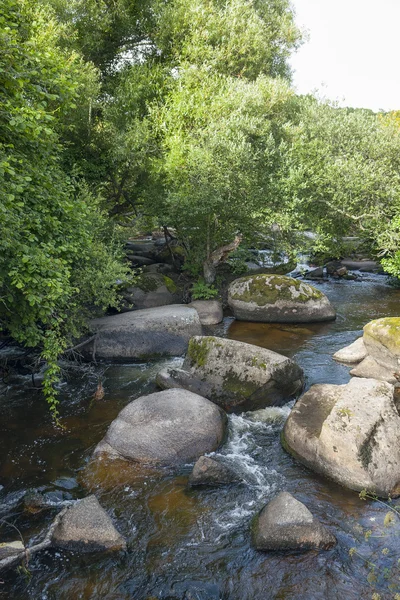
(353,52)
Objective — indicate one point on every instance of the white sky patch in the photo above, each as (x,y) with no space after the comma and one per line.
(352,55)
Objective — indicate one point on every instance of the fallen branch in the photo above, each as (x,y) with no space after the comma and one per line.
(27,553)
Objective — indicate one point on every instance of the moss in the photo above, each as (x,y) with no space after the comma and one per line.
(385,331)
(170,285)
(268,289)
(239,388)
(149,282)
(198,350)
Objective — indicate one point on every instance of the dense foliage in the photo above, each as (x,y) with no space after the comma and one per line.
(54,263)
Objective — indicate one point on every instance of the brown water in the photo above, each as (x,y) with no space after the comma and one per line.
(185,544)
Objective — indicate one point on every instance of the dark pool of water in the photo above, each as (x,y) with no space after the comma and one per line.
(186,544)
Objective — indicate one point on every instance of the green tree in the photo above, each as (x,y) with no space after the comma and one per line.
(54,262)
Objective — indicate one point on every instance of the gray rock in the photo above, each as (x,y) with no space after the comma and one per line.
(369,368)
(349,433)
(9,549)
(235,375)
(139,261)
(145,334)
(365,266)
(278,299)
(352,354)
(332,266)
(210,311)
(286,524)
(210,472)
(382,341)
(166,428)
(141,247)
(86,527)
(317,273)
(158,268)
(151,290)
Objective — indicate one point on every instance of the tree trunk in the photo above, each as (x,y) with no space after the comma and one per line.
(217,257)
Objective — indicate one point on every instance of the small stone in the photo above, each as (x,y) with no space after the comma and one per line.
(287,524)
(208,471)
(86,527)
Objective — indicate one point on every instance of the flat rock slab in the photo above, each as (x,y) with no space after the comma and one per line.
(287,524)
(86,527)
(210,472)
(370,368)
(235,375)
(365,266)
(352,354)
(278,299)
(166,428)
(349,433)
(145,334)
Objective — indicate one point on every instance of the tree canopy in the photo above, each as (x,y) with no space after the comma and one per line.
(178,112)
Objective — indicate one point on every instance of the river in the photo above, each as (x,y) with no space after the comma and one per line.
(191,544)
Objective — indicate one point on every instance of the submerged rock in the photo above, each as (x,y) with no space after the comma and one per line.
(352,354)
(166,428)
(86,527)
(235,375)
(349,433)
(145,334)
(210,311)
(287,524)
(210,472)
(278,299)
(10,549)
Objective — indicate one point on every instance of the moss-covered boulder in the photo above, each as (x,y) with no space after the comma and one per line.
(349,433)
(382,341)
(151,290)
(235,375)
(278,299)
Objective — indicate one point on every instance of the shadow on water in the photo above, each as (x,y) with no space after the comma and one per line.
(183,543)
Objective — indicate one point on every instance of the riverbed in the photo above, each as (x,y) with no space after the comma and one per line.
(194,544)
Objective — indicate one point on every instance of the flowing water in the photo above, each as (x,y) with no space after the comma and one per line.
(193,544)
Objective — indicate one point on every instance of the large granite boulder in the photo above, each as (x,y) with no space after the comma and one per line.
(235,375)
(210,472)
(278,299)
(350,433)
(166,428)
(151,290)
(86,527)
(287,524)
(145,334)
(377,353)
(382,341)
